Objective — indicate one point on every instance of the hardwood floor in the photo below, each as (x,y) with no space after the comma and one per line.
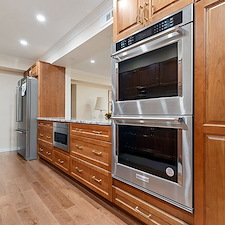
(33,193)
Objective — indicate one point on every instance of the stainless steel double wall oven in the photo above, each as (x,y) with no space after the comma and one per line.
(153,109)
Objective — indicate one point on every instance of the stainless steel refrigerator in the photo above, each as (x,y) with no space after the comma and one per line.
(26,117)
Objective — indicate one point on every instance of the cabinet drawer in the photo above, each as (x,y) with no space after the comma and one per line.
(44,123)
(94,151)
(143,210)
(98,179)
(99,132)
(45,133)
(45,150)
(62,161)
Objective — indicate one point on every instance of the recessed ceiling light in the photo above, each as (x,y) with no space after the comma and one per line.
(23,42)
(40,18)
(92,61)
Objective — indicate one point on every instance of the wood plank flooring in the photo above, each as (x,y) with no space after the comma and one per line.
(33,193)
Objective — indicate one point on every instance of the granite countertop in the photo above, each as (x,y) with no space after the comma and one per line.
(105,122)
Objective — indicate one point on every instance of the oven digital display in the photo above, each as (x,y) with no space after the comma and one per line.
(150,31)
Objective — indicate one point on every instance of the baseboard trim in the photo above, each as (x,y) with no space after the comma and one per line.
(8,149)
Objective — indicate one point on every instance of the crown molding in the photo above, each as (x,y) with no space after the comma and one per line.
(86,29)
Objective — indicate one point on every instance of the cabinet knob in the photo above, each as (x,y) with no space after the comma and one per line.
(41,135)
(60,161)
(41,149)
(48,137)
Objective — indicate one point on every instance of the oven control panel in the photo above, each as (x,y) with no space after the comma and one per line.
(150,31)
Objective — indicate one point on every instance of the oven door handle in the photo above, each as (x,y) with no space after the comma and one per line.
(175,120)
(176,29)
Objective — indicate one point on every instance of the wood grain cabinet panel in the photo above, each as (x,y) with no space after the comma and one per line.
(51,88)
(160,4)
(45,133)
(143,210)
(62,161)
(92,176)
(215,179)
(127,17)
(209,113)
(45,123)
(98,132)
(92,150)
(45,150)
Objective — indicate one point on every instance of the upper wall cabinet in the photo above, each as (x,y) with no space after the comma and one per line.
(133,15)
(51,89)
(128,17)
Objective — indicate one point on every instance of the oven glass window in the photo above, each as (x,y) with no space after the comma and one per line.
(149,149)
(150,75)
(60,138)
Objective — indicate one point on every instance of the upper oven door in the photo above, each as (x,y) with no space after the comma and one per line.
(155,76)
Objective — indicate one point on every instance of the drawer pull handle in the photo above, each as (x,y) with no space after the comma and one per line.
(78,129)
(41,123)
(41,135)
(97,132)
(48,125)
(48,153)
(48,137)
(141,213)
(41,149)
(60,161)
(96,153)
(97,180)
(79,146)
(78,170)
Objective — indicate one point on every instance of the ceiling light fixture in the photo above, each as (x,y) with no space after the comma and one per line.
(40,18)
(92,61)
(23,42)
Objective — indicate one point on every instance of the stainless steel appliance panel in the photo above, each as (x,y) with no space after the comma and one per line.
(61,136)
(178,193)
(182,104)
(27,110)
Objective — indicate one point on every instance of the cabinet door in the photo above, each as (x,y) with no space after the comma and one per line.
(128,17)
(160,4)
(209,113)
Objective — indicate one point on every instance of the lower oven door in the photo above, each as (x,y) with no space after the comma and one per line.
(155,155)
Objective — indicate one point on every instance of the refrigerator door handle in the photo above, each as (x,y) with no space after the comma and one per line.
(18,104)
(21,132)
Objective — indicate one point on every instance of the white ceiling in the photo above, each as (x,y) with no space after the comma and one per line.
(97,48)
(18,21)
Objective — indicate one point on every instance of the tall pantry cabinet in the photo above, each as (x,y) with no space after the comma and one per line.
(209,113)
(51,88)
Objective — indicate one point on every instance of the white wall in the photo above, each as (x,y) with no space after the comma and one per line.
(86,95)
(8,82)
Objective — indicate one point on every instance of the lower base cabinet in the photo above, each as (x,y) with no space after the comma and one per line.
(96,178)
(62,161)
(143,210)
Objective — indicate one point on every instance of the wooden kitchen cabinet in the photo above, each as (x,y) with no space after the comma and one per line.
(133,15)
(94,177)
(209,113)
(45,132)
(90,157)
(61,160)
(147,208)
(127,17)
(51,89)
